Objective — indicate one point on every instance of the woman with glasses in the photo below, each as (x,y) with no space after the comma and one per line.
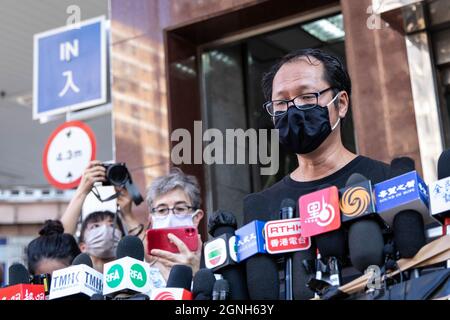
(174,201)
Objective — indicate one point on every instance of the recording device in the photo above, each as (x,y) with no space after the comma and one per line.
(203,283)
(408,225)
(117,175)
(220,253)
(18,274)
(356,199)
(19,287)
(261,269)
(129,274)
(178,285)
(77,282)
(366,244)
(158,239)
(440,192)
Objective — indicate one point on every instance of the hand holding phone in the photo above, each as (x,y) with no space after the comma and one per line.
(158,239)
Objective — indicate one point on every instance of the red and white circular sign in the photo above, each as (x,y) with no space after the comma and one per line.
(67,154)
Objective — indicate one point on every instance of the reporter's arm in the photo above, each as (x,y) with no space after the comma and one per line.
(93,173)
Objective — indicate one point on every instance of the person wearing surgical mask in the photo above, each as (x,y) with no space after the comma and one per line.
(99,237)
(174,201)
(308,95)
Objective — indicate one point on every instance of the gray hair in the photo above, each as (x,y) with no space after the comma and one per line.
(175,179)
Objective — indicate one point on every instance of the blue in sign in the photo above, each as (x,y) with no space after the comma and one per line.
(70,68)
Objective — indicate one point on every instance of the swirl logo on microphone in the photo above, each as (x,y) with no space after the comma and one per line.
(355,201)
(165,295)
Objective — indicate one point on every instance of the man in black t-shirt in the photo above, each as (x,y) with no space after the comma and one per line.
(308,94)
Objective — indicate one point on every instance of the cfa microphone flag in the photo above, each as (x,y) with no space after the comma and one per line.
(319,212)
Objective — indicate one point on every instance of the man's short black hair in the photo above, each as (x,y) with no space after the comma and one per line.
(334,71)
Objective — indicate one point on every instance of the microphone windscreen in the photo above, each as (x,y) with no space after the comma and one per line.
(409,233)
(262,278)
(354,179)
(235,274)
(332,244)
(97,296)
(300,275)
(130,246)
(256,207)
(180,276)
(82,258)
(402,165)
(365,241)
(444,165)
(203,284)
(18,274)
(221,222)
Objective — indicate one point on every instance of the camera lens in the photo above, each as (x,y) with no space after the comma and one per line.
(117,174)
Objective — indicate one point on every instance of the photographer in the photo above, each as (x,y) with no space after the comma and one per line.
(99,236)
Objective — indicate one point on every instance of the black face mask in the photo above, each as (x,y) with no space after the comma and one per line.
(303,131)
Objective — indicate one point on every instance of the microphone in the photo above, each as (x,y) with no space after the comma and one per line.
(222,226)
(408,225)
(404,192)
(78,282)
(366,244)
(180,276)
(128,274)
(409,233)
(332,247)
(296,274)
(319,211)
(178,285)
(440,193)
(262,278)
(357,200)
(402,165)
(261,269)
(18,274)
(82,258)
(287,212)
(285,236)
(331,244)
(19,287)
(220,252)
(221,290)
(203,284)
(358,211)
(402,202)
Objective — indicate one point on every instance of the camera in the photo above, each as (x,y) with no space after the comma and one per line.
(117,175)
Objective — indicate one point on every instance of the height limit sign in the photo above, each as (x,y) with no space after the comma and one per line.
(67,154)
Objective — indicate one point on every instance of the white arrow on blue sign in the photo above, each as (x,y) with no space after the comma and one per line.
(70,68)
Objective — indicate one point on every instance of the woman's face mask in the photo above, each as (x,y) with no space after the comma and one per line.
(303,131)
(171,221)
(101,242)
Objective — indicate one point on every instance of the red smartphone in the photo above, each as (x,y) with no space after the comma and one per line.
(158,238)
